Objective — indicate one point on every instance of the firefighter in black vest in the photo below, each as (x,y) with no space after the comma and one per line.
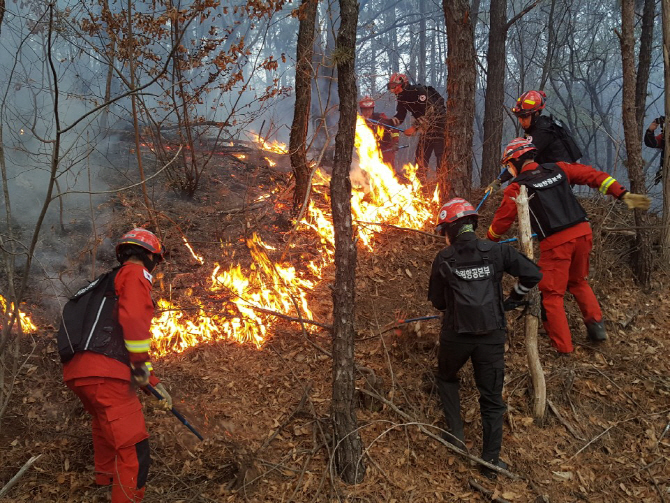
(103,359)
(430,120)
(540,130)
(563,229)
(653,140)
(466,283)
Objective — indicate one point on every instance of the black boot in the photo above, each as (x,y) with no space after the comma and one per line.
(596,331)
(491,474)
(451,405)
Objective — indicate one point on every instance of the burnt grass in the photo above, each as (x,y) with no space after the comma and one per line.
(264,412)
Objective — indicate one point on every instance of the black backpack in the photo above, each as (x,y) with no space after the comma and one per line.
(89,321)
(563,133)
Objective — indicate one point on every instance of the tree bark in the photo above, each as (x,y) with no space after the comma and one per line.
(532,313)
(348,451)
(644,63)
(303,100)
(642,255)
(495,92)
(455,172)
(665,240)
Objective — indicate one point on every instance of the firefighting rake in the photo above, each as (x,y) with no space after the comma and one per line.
(176,413)
(385,125)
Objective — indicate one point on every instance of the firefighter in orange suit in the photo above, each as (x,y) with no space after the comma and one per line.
(103,372)
(562,226)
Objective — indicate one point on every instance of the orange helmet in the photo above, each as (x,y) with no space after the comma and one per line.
(397,79)
(367,102)
(451,211)
(516,148)
(529,103)
(141,237)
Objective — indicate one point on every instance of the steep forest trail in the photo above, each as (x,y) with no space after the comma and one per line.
(263,407)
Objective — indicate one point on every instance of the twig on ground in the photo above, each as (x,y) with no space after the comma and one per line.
(617,386)
(18,475)
(449,446)
(489,494)
(564,422)
(593,440)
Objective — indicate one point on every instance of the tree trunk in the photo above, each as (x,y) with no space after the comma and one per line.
(644,63)
(348,451)
(532,314)
(422,43)
(642,256)
(303,95)
(455,173)
(495,92)
(665,241)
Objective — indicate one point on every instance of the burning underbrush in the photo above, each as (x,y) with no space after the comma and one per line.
(264,406)
(248,300)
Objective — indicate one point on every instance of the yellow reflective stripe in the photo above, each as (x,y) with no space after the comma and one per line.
(493,233)
(150,367)
(138,346)
(606,184)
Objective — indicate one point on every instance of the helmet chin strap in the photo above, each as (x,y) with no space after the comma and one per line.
(150,261)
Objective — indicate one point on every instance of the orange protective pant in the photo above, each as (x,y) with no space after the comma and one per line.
(565,267)
(120,438)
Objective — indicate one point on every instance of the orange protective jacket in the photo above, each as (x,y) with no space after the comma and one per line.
(135,311)
(580,174)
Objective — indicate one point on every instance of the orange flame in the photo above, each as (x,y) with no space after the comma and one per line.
(195,256)
(246,299)
(27,326)
(273,146)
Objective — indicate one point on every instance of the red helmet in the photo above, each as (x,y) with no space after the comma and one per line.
(397,79)
(529,103)
(453,210)
(516,148)
(143,238)
(367,102)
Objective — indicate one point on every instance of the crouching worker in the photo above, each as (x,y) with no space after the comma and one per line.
(466,283)
(103,342)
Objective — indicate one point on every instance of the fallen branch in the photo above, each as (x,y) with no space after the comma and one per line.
(18,475)
(617,386)
(449,446)
(564,422)
(431,234)
(489,494)
(290,318)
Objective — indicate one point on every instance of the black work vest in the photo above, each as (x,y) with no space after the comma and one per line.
(553,206)
(474,297)
(90,322)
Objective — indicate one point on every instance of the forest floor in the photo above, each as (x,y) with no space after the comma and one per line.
(264,412)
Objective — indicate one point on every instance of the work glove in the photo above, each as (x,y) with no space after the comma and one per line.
(494,186)
(410,131)
(636,201)
(140,374)
(513,301)
(166,403)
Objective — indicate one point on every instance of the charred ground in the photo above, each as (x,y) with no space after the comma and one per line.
(264,412)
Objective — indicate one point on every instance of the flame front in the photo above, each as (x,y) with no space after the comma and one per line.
(27,326)
(270,146)
(244,303)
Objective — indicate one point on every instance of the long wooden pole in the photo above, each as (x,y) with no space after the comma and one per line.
(532,313)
